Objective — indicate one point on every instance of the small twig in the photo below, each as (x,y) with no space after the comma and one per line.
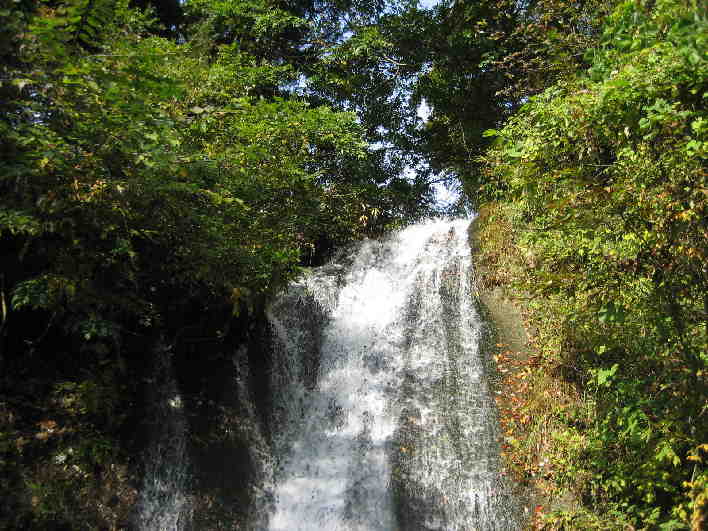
(3,308)
(33,344)
(131,54)
(393,61)
(3,303)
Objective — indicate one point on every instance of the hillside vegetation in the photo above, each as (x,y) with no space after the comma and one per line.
(595,215)
(166,166)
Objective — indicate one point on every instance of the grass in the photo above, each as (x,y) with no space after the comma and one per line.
(543,409)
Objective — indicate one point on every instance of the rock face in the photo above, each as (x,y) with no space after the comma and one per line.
(227,405)
(82,428)
(510,341)
(230,383)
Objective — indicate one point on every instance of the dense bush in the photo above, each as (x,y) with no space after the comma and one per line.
(605,177)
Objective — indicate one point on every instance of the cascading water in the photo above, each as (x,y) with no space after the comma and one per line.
(383,418)
(163,503)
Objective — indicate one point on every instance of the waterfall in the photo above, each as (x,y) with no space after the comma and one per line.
(163,503)
(382,414)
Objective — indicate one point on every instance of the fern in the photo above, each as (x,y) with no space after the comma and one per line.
(90,16)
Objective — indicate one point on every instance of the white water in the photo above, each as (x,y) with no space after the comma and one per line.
(163,503)
(392,427)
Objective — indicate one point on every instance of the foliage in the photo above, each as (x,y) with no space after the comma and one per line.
(161,160)
(475,63)
(149,173)
(605,176)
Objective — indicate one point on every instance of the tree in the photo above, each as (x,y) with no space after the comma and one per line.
(147,172)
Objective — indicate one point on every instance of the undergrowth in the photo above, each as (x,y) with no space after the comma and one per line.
(552,410)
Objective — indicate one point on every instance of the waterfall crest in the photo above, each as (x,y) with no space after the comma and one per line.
(382,416)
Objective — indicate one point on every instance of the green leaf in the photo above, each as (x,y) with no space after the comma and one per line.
(604,376)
